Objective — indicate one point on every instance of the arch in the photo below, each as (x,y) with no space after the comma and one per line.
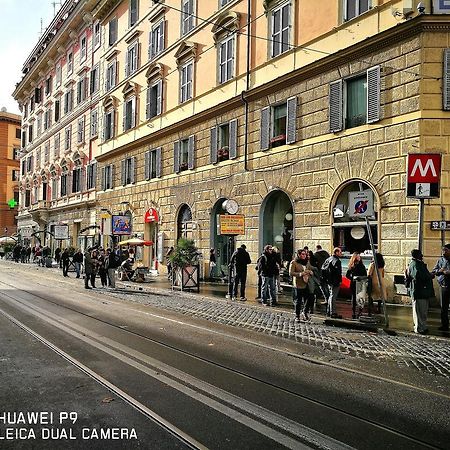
(156,70)
(347,231)
(276,217)
(219,243)
(184,222)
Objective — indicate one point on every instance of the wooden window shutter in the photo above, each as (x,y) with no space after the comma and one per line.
(176,156)
(265,128)
(446,81)
(147,165)
(133,170)
(373,94)
(191,152)
(213,146)
(336,106)
(291,120)
(147,105)
(94,175)
(162,38)
(83,179)
(103,174)
(124,174)
(232,146)
(159,97)
(111,176)
(159,162)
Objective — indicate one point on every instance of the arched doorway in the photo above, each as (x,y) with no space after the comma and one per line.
(184,222)
(222,244)
(349,226)
(277,223)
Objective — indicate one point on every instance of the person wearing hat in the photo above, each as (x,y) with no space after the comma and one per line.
(240,259)
(420,290)
(442,271)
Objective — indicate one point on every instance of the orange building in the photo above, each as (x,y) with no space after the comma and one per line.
(10,132)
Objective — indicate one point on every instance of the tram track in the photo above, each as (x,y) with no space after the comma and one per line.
(284,431)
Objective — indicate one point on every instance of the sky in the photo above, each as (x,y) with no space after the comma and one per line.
(20,26)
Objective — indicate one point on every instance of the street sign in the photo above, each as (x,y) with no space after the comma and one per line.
(423,175)
(231,224)
(440,225)
(61,231)
(441,7)
(360,203)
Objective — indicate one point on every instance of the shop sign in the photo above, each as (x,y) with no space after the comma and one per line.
(424,173)
(121,225)
(61,231)
(26,233)
(231,224)
(151,216)
(360,203)
(440,225)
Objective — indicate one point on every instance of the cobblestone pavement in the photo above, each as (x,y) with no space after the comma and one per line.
(423,353)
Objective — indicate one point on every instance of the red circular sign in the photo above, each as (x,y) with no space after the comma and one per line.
(151,216)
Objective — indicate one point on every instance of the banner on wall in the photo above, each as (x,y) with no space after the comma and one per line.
(121,225)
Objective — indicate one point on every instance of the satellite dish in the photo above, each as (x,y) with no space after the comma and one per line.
(3,109)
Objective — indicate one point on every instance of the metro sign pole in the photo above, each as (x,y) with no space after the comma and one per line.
(423,179)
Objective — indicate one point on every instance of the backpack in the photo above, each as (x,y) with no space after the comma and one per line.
(329,273)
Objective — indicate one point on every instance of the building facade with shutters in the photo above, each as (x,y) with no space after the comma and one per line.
(287,107)
(10,133)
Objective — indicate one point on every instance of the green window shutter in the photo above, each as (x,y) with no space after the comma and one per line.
(291,121)
(213,146)
(373,94)
(336,106)
(232,146)
(446,81)
(265,128)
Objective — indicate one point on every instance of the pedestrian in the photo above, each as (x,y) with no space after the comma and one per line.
(212,262)
(16,253)
(112,262)
(58,256)
(332,275)
(29,251)
(301,270)
(442,271)
(259,275)
(268,273)
(101,268)
(168,262)
(78,261)
(420,290)
(45,256)
(89,272)
(23,254)
(356,269)
(2,251)
(320,256)
(239,261)
(277,255)
(374,291)
(65,262)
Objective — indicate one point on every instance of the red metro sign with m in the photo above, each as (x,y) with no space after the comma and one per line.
(423,176)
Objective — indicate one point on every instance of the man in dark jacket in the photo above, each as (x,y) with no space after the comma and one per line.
(332,274)
(89,270)
(112,262)
(78,261)
(239,262)
(442,271)
(65,261)
(268,269)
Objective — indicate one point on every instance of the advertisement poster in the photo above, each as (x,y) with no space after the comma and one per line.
(121,225)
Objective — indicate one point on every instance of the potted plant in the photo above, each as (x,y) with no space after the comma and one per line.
(185,265)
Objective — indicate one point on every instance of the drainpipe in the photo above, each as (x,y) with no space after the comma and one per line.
(247,87)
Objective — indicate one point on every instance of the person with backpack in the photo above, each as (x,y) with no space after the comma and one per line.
(332,275)
(112,262)
(442,271)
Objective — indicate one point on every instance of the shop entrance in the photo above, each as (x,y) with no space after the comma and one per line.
(222,244)
(277,224)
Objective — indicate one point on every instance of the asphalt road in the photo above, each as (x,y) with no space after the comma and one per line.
(181,381)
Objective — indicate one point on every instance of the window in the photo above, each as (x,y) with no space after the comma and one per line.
(56,145)
(353,8)
(356,100)
(94,80)
(54,188)
(152,168)
(15,175)
(24,138)
(44,190)
(47,151)
(39,125)
(184,154)
(97,35)
(47,119)
(223,142)
(29,164)
(58,75)
(24,166)
(77,175)
(57,109)
(107,177)
(94,123)
(109,125)
(30,133)
(80,133)
(48,86)
(111,75)
(186,81)
(38,157)
(37,95)
(223,2)
(81,90)
(63,184)
(68,101)
(67,137)
(128,170)
(32,103)
(112,31)
(91,175)
(83,48)
(129,113)
(279,124)
(15,154)
(157,43)
(280,29)
(133,12)
(69,63)
(226,60)
(154,100)
(132,59)
(25,110)
(18,133)
(187,16)
(27,198)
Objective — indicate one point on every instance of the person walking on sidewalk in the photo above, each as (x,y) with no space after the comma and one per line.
(442,271)
(301,270)
(356,269)
(77,262)
(420,290)
(321,255)
(212,262)
(89,270)
(65,261)
(268,271)
(112,262)
(332,275)
(239,261)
